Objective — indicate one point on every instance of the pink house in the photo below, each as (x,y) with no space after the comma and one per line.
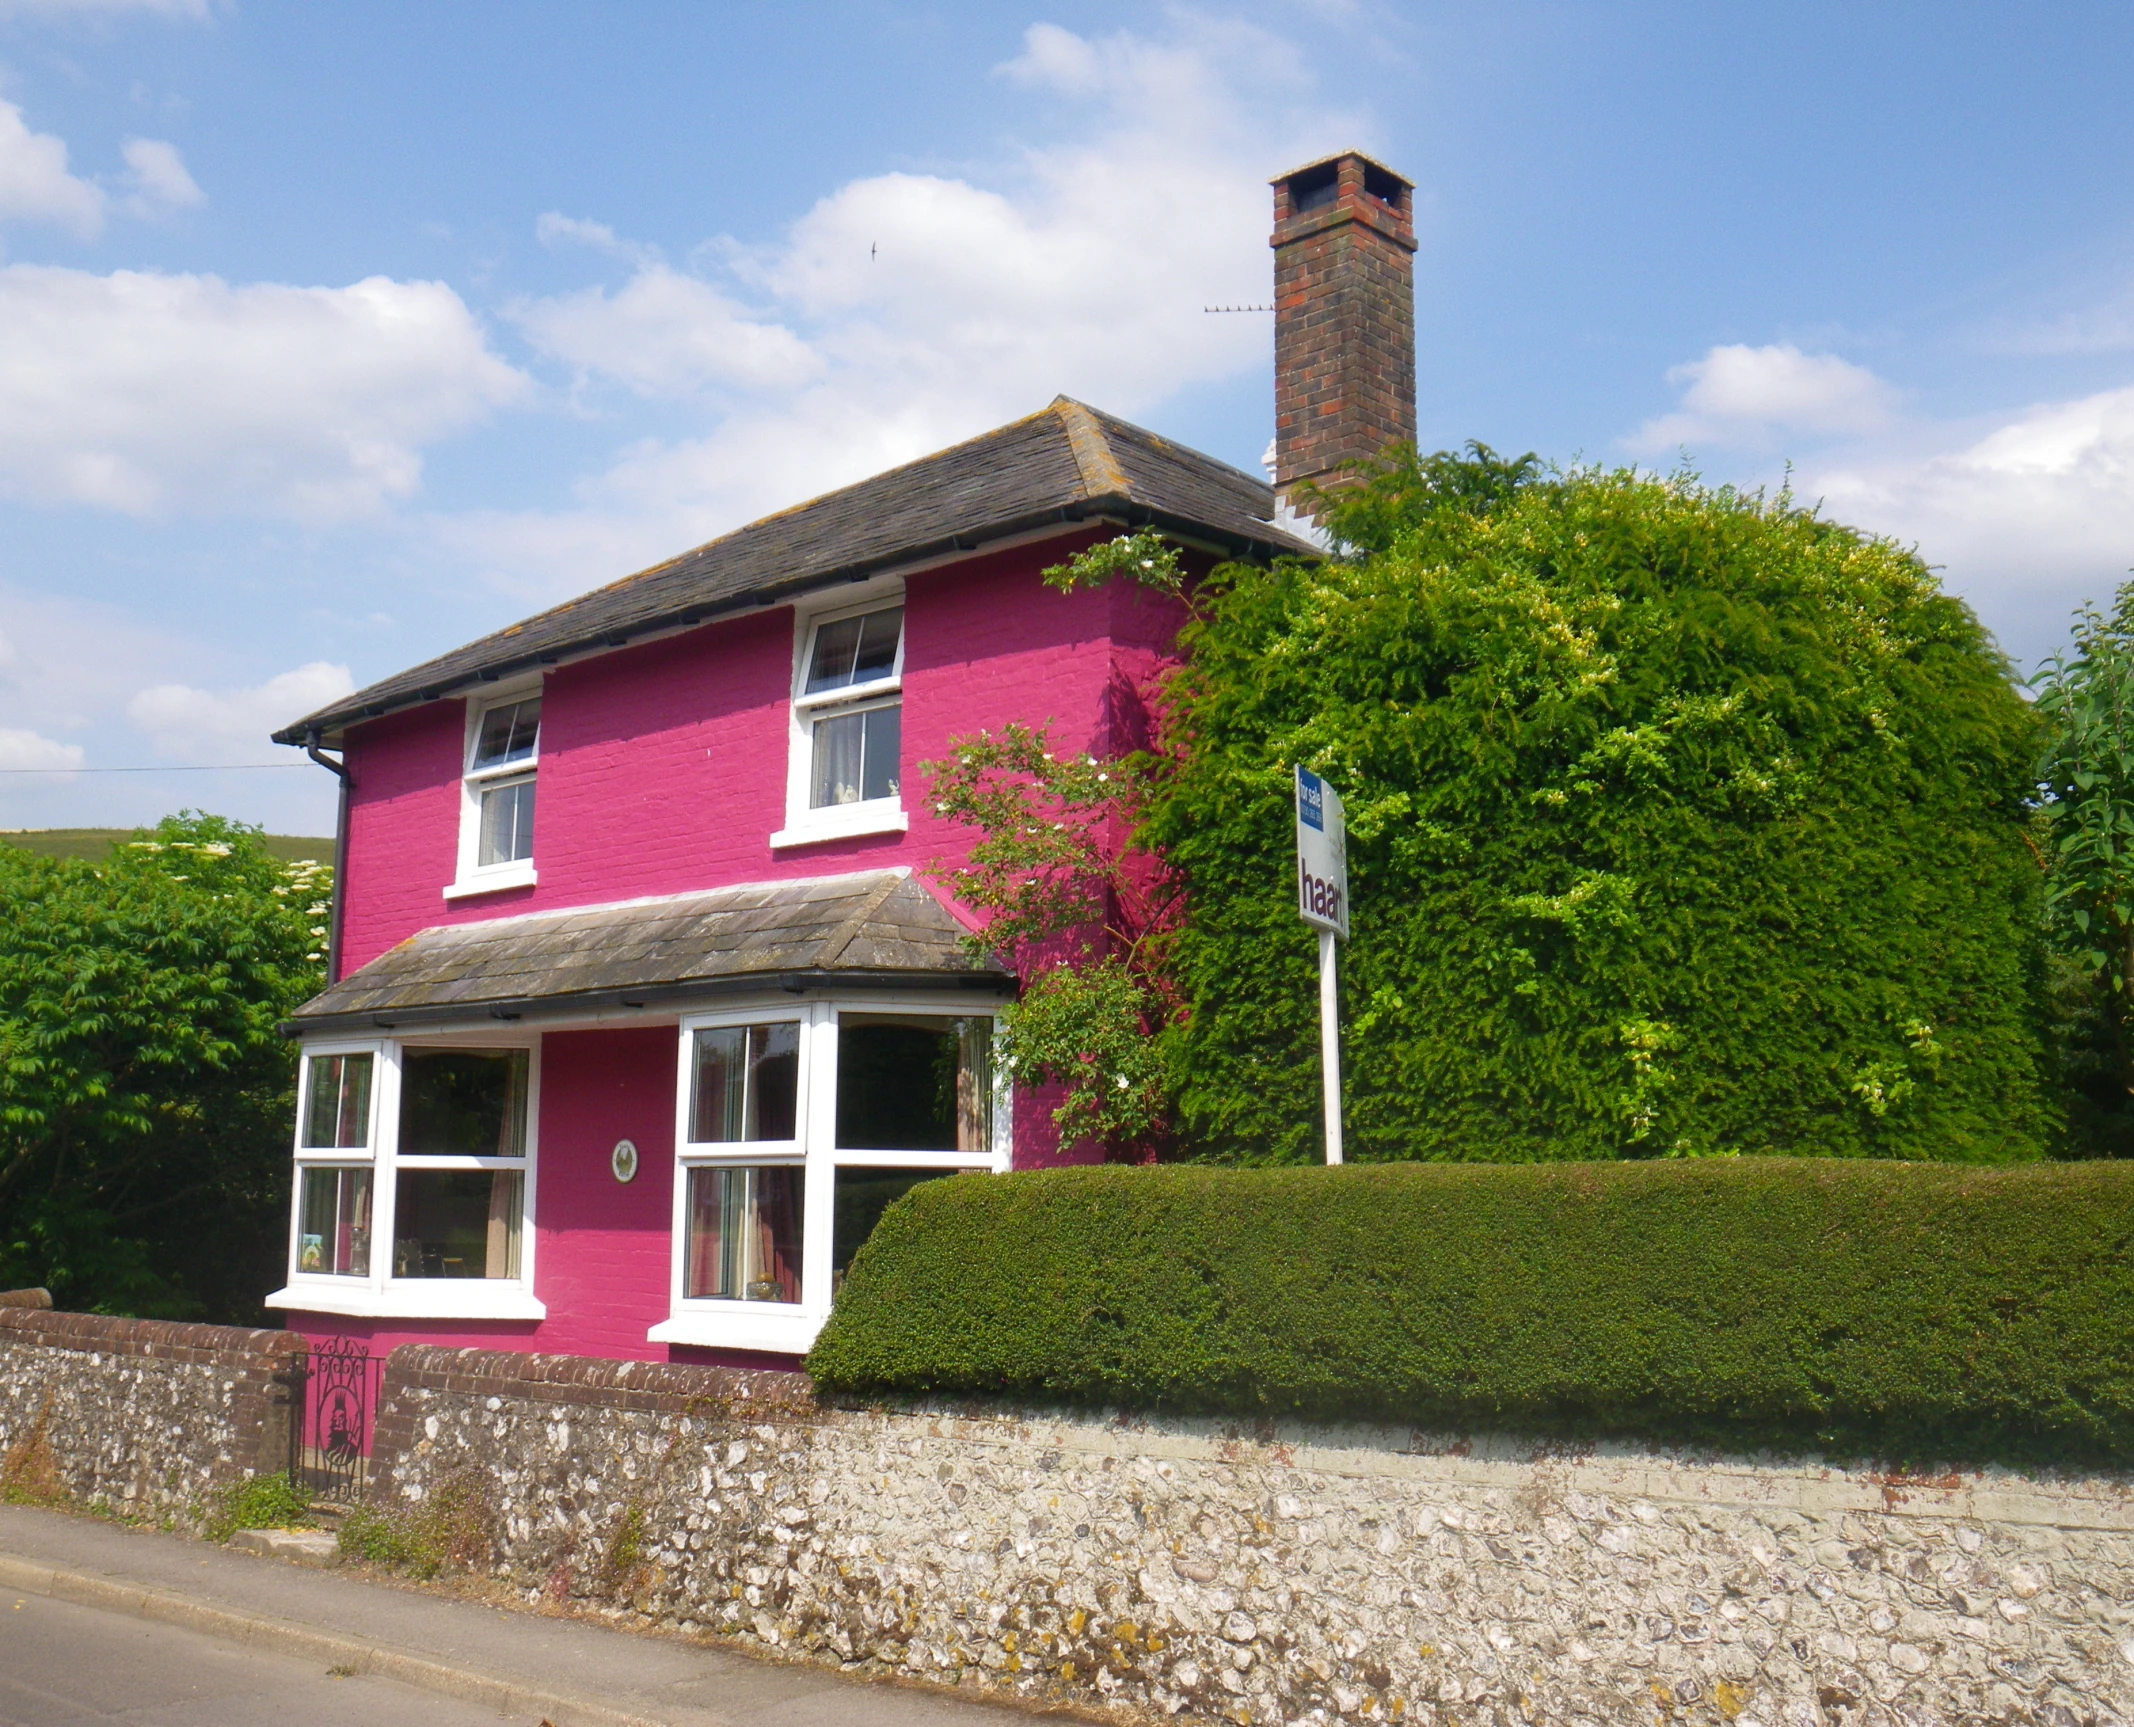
(644,1003)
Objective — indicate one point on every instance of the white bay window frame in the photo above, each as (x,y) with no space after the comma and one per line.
(791,1327)
(473,876)
(805,822)
(378,1293)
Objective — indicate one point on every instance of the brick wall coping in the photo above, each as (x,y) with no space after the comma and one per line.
(158,1337)
(665,1387)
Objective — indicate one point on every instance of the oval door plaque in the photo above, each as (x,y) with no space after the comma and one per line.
(624,1161)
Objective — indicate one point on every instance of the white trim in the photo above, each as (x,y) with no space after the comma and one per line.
(379,1294)
(425,1298)
(805,824)
(790,1328)
(471,877)
(494,879)
(781,1330)
(843,822)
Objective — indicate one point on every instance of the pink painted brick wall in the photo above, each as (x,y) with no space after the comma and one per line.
(663,767)
(663,770)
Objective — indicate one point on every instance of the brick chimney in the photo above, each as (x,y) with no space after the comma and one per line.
(1344,317)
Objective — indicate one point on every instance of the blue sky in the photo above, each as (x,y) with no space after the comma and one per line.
(332,336)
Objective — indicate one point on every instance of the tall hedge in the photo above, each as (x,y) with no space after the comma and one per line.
(1681,821)
(1905,1311)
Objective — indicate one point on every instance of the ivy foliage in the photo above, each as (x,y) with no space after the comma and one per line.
(1681,822)
(145,1094)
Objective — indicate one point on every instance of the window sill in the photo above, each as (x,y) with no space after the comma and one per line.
(732,1327)
(506,876)
(439,1298)
(843,822)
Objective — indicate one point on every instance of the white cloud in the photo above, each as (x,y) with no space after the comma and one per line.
(144,392)
(32,750)
(159,178)
(665,334)
(208,725)
(35,185)
(1739,395)
(2029,519)
(906,310)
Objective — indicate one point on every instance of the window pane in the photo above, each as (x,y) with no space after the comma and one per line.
(337,1105)
(855,650)
(838,744)
(508,733)
(457,1222)
(914,1082)
(463,1102)
(878,777)
(877,656)
(333,1228)
(835,647)
(507,822)
(744,1234)
(746,1085)
(862,1196)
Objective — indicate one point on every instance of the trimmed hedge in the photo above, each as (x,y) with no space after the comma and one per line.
(1910,1312)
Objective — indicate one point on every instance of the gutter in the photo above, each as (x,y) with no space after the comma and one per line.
(339,769)
(368,1020)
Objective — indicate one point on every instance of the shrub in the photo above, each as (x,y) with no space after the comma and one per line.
(258,1502)
(1680,821)
(450,1527)
(1901,1311)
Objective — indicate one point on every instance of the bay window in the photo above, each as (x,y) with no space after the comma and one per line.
(413,1181)
(794,1133)
(846,774)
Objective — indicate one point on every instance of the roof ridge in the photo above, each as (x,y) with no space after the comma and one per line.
(895,873)
(842,937)
(1102,476)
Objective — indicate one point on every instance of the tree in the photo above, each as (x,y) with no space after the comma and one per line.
(1682,821)
(146,1096)
(2086,776)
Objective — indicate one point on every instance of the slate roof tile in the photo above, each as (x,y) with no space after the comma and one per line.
(1064,464)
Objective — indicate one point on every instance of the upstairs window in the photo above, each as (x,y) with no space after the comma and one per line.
(497,819)
(848,710)
(853,706)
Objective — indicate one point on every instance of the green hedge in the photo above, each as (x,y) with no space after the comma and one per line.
(1913,1312)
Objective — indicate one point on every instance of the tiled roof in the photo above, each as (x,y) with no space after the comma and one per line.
(875,929)
(1066,464)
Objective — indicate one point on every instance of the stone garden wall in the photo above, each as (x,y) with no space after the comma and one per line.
(1283,1575)
(144,1417)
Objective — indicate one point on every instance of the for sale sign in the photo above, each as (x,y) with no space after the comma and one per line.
(1322,856)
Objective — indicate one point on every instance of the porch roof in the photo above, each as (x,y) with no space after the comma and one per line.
(875,930)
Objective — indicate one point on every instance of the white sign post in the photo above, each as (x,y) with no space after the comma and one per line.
(1323,902)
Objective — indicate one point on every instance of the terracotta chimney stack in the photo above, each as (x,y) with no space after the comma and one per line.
(1344,317)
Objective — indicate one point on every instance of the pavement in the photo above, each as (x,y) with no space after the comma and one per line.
(117,1623)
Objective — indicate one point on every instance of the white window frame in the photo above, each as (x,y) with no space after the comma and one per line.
(382,1295)
(474,877)
(782,1327)
(805,825)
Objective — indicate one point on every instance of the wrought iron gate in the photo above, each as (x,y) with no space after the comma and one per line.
(335,1397)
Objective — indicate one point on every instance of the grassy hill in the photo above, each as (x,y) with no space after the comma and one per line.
(97,843)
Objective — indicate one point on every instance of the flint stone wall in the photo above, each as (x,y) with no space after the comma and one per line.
(140,1415)
(1200,1570)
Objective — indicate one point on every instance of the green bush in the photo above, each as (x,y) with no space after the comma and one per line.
(1911,1312)
(451,1527)
(1681,821)
(259,1502)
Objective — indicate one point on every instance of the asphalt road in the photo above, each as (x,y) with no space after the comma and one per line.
(61,1664)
